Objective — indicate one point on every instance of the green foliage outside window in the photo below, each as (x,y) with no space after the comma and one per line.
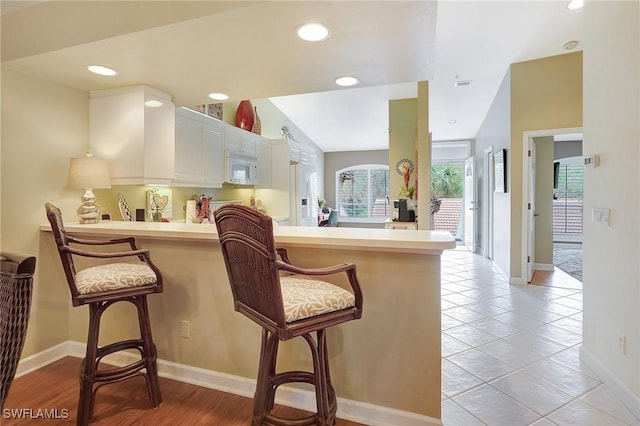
(447,181)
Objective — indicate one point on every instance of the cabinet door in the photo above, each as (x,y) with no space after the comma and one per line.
(294,152)
(188,151)
(263,152)
(232,140)
(249,142)
(212,156)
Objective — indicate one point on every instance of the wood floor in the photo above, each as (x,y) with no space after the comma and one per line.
(55,387)
(556,278)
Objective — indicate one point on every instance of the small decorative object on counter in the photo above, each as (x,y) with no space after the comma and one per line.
(245,115)
(159,204)
(204,210)
(257,124)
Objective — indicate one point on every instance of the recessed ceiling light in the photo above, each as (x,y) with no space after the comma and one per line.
(452,121)
(570,45)
(218,96)
(347,81)
(100,70)
(575,4)
(153,103)
(313,32)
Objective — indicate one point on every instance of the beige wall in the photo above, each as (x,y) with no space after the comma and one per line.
(403,127)
(43,126)
(544,200)
(612,130)
(545,94)
(409,138)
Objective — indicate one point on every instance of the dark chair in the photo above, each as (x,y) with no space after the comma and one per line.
(16,285)
(294,304)
(100,287)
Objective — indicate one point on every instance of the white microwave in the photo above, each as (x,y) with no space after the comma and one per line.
(241,169)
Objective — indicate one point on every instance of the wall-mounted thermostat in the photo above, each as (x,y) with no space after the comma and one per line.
(591,161)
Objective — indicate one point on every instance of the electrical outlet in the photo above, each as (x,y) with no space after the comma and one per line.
(185,329)
(622,344)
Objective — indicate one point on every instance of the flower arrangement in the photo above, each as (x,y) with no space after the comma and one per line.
(157,204)
(404,168)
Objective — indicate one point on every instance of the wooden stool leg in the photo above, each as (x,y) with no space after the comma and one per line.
(149,351)
(88,367)
(265,392)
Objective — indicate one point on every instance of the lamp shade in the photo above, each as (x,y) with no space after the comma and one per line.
(89,172)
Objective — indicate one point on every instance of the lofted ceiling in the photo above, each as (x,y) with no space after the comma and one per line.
(248,49)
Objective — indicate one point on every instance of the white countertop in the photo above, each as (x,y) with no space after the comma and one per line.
(405,241)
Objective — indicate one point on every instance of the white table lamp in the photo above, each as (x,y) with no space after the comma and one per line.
(89,173)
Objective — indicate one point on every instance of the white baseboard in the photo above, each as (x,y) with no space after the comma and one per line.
(356,411)
(543,267)
(615,385)
(518,281)
(39,360)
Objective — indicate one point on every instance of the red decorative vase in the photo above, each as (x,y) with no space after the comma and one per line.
(245,115)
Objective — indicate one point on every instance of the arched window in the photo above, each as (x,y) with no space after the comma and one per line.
(362,193)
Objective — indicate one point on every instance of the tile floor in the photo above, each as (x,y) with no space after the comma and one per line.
(510,353)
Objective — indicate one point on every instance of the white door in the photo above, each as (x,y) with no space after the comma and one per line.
(531,209)
(469,206)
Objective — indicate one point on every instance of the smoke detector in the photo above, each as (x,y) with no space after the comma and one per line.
(462,83)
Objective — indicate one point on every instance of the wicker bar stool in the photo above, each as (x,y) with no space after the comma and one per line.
(100,287)
(16,287)
(296,304)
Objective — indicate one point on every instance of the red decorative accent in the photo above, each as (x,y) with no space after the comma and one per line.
(245,116)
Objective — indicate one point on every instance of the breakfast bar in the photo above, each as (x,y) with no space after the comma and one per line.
(385,367)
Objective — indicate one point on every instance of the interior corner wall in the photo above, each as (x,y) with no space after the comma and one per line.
(544,201)
(43,126)
(545,94)
(495,131)
(611,253)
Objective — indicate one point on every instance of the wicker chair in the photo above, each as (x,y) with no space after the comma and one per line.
(294,304)
(16,285)
(100,287)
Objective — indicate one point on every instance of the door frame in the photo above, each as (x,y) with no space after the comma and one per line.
(487,235)
(469,205)
(526,173)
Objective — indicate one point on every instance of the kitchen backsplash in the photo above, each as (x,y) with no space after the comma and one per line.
(135,197)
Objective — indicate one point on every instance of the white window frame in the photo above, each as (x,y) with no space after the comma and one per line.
(367,167)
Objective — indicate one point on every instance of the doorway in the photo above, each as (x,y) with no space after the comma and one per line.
(538,193)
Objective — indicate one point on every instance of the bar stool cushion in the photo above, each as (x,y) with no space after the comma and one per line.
(114,276)
(306,297)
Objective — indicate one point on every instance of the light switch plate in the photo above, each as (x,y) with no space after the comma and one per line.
(600,216)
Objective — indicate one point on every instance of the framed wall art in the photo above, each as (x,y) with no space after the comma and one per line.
(500,170)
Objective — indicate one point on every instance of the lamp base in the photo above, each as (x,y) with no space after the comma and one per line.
(88,212)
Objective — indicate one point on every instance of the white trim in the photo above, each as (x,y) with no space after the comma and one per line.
(615,385)
(39,360)
(356,411)
(543,267)
(487,208)
(525,190)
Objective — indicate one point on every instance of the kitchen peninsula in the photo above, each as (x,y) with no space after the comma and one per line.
(385,367)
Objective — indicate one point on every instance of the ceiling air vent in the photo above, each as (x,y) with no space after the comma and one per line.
(462,83)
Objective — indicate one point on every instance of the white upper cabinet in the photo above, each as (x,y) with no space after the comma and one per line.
(136,139)
(263,152)
(241,141)
(199,150)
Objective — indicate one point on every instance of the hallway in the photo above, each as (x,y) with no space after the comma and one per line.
(510,353)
